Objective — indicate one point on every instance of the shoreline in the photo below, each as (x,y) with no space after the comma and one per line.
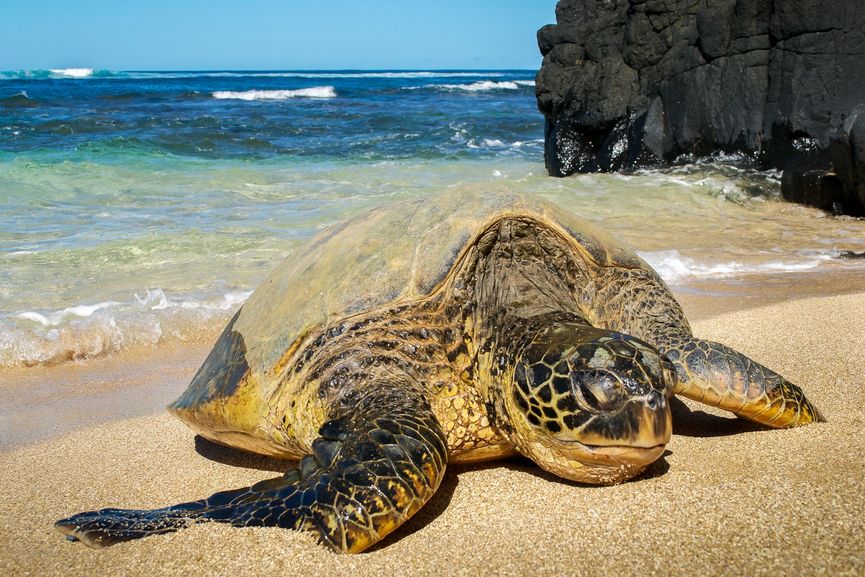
(47,401)
(44,402)
(727,498)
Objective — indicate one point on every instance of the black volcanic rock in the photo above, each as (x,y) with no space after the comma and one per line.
(631,83)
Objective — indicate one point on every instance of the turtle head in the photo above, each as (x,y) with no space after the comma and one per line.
(588,404)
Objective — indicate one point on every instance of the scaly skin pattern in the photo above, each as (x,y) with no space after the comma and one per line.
(367,473)
(716,375)
(414,340)
(532,343)
(369,432)
(638,302)
(588,404)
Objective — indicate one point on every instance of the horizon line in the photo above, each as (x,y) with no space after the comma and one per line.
(97,69)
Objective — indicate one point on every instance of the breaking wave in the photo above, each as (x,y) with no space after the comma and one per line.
(94,330)
(72,72)
(673,267)
(480,86)
(314,92)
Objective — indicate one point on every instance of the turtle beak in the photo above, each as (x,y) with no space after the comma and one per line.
(643,422)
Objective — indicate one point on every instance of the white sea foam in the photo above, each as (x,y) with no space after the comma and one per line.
(492,143)
(673,267)
(480,86)
(72,72)
(525,82)
(156,299)
(314,92)
(55,318)
(92,330)
(488,143)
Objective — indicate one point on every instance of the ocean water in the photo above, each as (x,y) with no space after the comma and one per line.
(139,208)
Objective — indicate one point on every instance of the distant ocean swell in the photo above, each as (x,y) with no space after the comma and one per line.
(21,98)
(330,92)
(370,115)
(57,73)
(81,73)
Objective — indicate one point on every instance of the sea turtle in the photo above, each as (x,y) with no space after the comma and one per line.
(462,327)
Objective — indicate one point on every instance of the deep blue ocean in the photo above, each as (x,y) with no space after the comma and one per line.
(369,116)
(142,208)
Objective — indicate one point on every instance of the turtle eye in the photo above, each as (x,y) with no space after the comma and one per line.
(599,389)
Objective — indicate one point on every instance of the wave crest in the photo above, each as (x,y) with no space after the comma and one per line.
(314,92)
(481,86)
(21,99)
(673,267)
(71,72)
(83,332)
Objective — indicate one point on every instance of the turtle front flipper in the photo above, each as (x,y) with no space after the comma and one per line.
(370,470)
(717,375)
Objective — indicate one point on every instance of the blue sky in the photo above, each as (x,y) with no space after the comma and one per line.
(271,34)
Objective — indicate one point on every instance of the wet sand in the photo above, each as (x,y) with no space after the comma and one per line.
(728,498)
(38,403)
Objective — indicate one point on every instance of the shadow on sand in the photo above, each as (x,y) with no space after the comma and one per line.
(696,423)
(239,458)
(688,422)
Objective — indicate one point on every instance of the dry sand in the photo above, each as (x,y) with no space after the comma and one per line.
(727,499)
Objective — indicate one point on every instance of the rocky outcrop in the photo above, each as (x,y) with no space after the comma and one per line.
(631,83)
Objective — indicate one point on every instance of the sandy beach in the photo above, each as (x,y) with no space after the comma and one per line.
(728,498)
(153,176)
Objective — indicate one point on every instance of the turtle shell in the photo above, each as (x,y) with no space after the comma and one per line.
(394,253)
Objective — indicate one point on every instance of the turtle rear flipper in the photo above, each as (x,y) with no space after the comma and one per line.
(107,527)
(370,470)
(717,375)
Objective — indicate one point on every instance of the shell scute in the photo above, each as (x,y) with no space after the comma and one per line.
(395,253)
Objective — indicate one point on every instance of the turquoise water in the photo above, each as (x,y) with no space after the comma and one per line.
(143,208)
